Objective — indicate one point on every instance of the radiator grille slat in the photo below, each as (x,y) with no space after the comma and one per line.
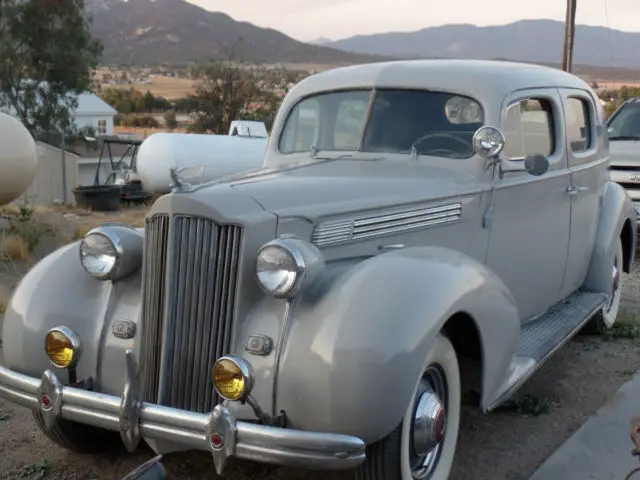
(154,271)
(198,298)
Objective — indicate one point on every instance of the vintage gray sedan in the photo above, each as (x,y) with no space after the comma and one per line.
(314,313)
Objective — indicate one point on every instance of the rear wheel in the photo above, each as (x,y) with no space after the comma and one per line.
(77,436)
(422,447)
(606,318)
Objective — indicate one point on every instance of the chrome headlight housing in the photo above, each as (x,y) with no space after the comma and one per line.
(111,251)
(286,264)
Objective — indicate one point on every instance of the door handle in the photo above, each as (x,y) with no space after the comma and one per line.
(574,189)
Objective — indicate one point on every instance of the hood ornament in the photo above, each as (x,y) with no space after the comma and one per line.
(179,181)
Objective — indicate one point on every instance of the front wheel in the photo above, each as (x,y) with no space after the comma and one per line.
(77,436)
(422,447)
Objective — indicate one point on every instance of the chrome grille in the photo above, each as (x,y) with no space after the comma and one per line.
(190,274)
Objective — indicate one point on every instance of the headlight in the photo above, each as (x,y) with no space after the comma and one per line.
(111,251)
(284,265)
(232,378)
(63,347)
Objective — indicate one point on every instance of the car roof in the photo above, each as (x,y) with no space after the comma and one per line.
(479,78)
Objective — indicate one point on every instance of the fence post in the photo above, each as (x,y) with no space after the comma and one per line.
(64,172)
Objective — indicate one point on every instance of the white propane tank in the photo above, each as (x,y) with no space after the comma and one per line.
(18,159)
(213,156)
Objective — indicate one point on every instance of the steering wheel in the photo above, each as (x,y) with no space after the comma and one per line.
(429,136)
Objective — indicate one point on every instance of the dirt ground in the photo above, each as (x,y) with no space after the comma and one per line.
(507,444)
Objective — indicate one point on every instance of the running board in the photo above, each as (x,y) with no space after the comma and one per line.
(543,336)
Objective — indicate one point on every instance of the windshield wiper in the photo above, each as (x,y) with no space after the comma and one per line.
(624,137)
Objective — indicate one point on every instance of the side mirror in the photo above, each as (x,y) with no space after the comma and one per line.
(536,165)
(488,142)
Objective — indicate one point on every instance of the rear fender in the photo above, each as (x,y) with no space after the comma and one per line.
(357,340)
(58,291)
(617,217)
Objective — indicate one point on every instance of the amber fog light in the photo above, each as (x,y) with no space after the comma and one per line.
(63,347)
(232,378)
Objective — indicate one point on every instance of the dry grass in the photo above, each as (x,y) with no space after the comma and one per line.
(144,131)
(167,87)
(14,247)
(616,85)
(89,220)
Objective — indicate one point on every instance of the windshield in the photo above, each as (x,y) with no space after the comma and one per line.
(394,121)
(625,125)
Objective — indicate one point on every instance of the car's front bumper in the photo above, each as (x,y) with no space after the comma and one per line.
(135,420)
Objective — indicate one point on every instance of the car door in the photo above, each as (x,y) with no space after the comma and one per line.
(589,175)
(529,237)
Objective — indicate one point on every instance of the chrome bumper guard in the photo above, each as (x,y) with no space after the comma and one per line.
(218,432)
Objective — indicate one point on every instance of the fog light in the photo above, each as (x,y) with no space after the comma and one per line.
(232,378)
(63,347)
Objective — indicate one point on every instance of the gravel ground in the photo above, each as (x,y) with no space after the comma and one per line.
(507,444)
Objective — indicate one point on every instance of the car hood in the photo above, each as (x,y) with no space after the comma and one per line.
(625,153)
(339,186)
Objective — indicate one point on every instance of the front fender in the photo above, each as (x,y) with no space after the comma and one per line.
(357,340)
(58,291)
(616,210)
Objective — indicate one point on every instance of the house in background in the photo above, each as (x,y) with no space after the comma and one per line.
(94,112)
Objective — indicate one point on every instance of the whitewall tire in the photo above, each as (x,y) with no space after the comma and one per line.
(606,318)
(423,446)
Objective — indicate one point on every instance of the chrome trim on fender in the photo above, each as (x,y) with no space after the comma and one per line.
(135,419)
(335,232)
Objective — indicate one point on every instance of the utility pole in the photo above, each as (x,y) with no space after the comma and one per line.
(569,35)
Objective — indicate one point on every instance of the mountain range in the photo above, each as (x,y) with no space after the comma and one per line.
(139,32)
(538,41)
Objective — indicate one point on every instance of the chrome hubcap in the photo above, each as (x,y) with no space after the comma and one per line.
(429,425)
(615,283)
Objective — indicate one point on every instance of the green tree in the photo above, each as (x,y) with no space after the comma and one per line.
(47,57)
(227,92)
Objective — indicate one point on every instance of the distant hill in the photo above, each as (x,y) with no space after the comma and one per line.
(139,32)
(538,41)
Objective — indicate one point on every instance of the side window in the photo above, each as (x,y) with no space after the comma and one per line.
(350,118)
(303,130)
(529,129)
(102,127)
(329,121)
(578,124)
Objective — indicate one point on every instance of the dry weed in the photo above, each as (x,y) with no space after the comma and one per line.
(9,210)
(133,217)
(14,247)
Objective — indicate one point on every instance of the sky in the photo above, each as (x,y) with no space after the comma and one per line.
(310,19)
